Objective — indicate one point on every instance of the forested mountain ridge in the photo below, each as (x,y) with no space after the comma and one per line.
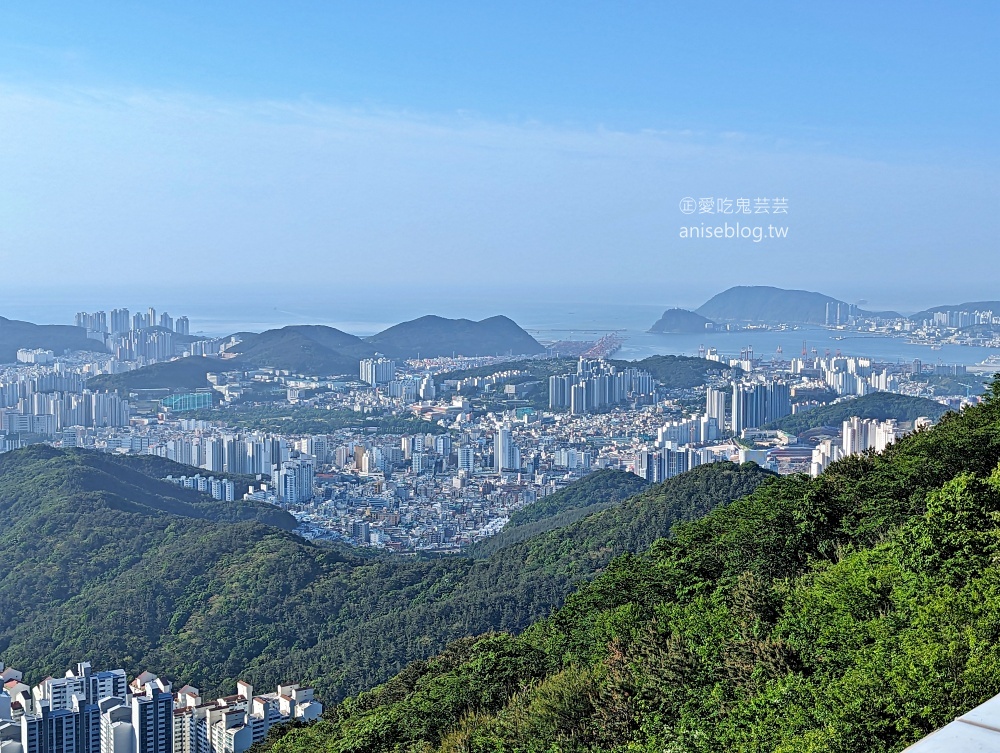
(433,336)
(15,334)
(607,485)
(857,611)
(326,351)
(967,306)
(676,372)
(107,563)
(763,303)
(591,494)
(40,480)
(188,373)
(876,405)
(682,321)
(302,349)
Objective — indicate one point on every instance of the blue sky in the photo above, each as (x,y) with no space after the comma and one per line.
(527,144)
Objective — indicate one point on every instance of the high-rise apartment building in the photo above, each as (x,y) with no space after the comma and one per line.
(293,480)
(377,371)
(153,721)
(467,459)
(120,321)
(143,716)
(715,405)
(759,403)
(504,450)
(559,387)
(596,385)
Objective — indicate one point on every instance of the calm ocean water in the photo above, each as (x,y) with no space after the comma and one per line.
(362,315)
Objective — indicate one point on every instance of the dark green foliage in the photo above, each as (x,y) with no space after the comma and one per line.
(120,482)
(675,372)
(857,611)
(681,321)
(518,584)
(607,486)
(593,493)
(434,336)
(122,569)
(159,468)
(943,385)
(303,349)
(537,368)
(58,338)
(313,350)
(183,374)
(877,405)
(108,564)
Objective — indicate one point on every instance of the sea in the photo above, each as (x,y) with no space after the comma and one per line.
(547,318)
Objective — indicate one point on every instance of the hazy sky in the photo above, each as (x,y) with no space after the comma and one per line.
(436,146)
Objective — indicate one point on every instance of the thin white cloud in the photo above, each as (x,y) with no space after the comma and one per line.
(173,183)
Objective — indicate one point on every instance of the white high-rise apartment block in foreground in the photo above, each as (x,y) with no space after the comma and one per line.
(99,712)
(858,435)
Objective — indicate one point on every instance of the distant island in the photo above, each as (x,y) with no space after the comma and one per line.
(768,305)
(763,304)
(682,322)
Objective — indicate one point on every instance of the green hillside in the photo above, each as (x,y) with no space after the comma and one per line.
(536,368)
(58,338)
(324,351)
(108,564)
(676,372)
(877,405)
(673,372)
(945,384)
(593,493)
(183,374)
(159,468)
(311,419)
(681,321)
(606,485)
(432,336)
(857,611)
(304,349)
(967,306)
